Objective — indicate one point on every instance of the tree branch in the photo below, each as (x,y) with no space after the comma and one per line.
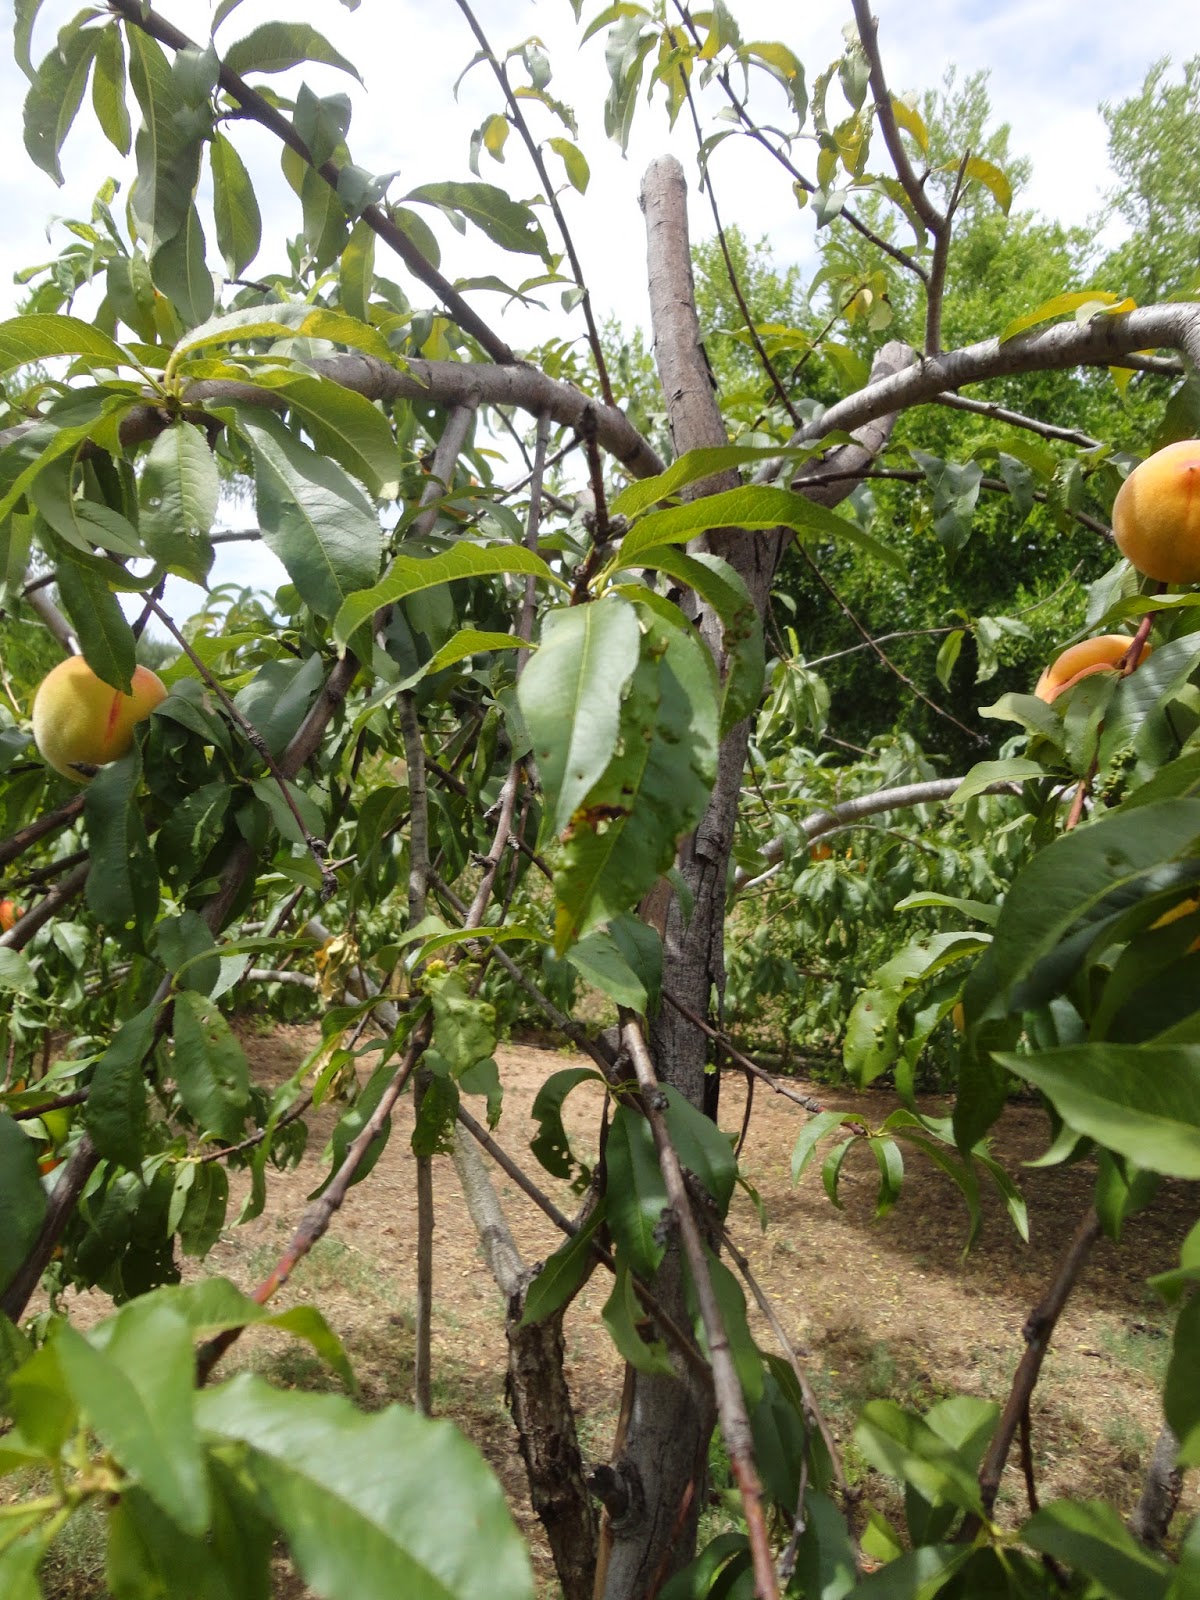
(731,1406)
(1102,342)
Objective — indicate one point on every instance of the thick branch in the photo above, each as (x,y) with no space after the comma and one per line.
(1102,342)
(863,805)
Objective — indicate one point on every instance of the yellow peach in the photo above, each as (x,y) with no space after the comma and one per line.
(81,722)
(1081,660)
(1156,515)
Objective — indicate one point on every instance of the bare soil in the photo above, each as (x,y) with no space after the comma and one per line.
(884,1307)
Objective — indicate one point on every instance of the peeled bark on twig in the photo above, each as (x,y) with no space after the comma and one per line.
(1161,1490)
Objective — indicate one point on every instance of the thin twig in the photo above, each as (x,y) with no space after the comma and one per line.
(60,817)
(260,110)
(731,1405)
(535,155)
(1037,1333)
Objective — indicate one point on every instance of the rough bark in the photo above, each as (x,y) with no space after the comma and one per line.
(538,1396)
(1161,1491)
(662,1458)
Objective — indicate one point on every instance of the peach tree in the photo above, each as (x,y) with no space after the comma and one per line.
(497,720)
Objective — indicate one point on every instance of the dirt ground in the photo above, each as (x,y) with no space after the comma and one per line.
(879,1308)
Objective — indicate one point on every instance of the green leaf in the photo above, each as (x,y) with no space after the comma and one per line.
(917,1574)
(24,16)
(904,1446)
(176,120)
(136,1393)
(178,491)
(284,322)
(599,961)
(564,1272)
(506,222)
(313,516)
(38,337)
(108,89)
(342,424)
(570,696)
(22,1198)
(985,773)
(637,1196)
(754,508)
(701,1147)
(115,1113)
(1143,1101)
(179,269)
(1090,1537)
(211,1072)
(625,1320)
(1072,890)
(277,46)
(411,574)
(464,1026)
(372,1506)
(105,637)
(122,886)
(550,1144)
(55,95)
(717,583)
(623,837)
(1181,1392)
(19,1565)
(357,271)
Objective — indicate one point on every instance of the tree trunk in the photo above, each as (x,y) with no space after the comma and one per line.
(663,1454)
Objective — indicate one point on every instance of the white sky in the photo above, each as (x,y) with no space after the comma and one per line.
(1050,64)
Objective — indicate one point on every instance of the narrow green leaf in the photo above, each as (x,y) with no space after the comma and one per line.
(277,46)
(1143,1101)
(756,508)
(211,1073)
(55,95)
(313,516)
(356,276)
(342,424)
(22,1198)
(104,635)
(993,180)
(122,885)
(637,1196)
(573,159)
(570,696)
(38,337)
(178,489)
(985,773)
(283,322)
(176,120)
(1058,305)
(625,1321)
(563,1273)
(1090,1537)
(108,88)
(235,207)
(116,1107)
(412,574)
(506,222)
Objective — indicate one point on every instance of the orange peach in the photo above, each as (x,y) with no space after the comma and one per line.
(9,912)
(1081,660)
(1156,515)
(81,722)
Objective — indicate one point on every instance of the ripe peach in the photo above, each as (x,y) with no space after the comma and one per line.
(1156,515)
(1081,660)
(79,721)
(9,912)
